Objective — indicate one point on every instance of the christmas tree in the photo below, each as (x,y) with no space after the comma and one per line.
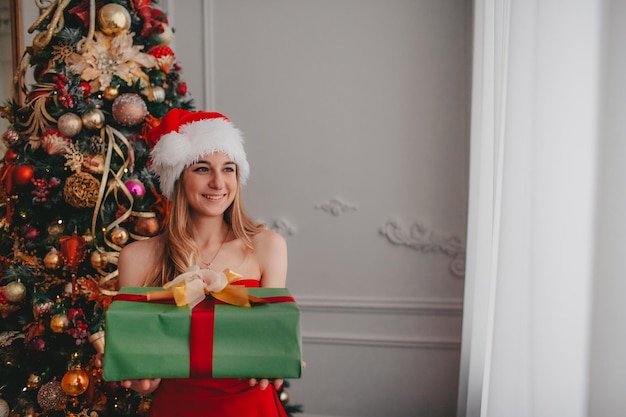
(76,189)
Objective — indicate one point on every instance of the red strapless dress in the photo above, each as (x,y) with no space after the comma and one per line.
(220,397)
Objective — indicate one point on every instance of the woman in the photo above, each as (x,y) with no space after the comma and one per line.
(201,164)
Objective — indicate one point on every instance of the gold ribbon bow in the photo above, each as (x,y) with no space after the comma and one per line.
(191,287)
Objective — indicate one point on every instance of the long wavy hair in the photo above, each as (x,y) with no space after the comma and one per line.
(177,247)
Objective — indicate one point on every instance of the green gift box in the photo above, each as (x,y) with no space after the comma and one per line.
(160,340)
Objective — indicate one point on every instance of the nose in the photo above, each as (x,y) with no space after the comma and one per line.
(216,181)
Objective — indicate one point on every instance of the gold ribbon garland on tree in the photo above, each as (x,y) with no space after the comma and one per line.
(111,184)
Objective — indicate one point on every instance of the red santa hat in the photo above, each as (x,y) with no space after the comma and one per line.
(184,136)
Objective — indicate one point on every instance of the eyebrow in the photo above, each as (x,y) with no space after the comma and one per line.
(202,161)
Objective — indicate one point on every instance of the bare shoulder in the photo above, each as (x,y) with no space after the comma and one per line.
(270,250)
(268,240)
(136,261)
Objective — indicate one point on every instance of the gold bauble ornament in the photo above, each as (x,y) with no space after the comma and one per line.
(52,260)
(70,124)
(15,292)
(119,236)
(113,19)
(75,382)
(51,396)
(129,109)
(98,259)
(110,93)
(59,323)
(34,381)
(93,119)
(154,94)
(81,190)
(147,226)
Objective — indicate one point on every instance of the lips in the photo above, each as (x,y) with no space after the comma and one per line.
(213,197)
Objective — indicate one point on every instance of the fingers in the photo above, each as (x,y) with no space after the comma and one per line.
(264,383)
(143,386)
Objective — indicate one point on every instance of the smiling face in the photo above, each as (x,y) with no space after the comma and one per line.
(210,184)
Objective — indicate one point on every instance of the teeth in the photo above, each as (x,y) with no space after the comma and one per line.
(213,197)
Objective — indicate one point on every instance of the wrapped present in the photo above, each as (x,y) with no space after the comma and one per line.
(158,339)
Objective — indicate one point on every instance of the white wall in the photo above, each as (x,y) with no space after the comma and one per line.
(361,107)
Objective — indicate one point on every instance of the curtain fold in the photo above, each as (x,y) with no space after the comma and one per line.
(534,139)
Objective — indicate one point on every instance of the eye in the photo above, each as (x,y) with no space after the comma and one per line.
(230,168)
(200,168)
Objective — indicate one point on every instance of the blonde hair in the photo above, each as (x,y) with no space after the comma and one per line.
(177,245)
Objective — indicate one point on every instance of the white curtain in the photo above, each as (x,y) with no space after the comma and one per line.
(535,137)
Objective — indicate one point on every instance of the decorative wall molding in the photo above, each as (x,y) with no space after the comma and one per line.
(419,237)
(372,305)
(336,206)
(5,21)
(282,226)
(364,340)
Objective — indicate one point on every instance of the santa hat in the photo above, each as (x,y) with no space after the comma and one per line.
(184,136)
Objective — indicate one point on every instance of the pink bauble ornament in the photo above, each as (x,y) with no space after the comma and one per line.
(129,109)
(11,137)
(38,344)
(136,187)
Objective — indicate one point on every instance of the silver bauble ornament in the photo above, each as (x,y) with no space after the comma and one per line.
(154,94)
(4,408)
(70,124)
(15,292)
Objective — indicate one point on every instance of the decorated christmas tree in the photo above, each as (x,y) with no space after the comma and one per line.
(75,189)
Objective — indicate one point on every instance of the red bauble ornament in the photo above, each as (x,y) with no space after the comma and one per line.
(10,155)
(72,249)
(22,174)
(85,87)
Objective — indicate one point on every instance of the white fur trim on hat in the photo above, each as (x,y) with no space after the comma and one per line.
(178,149)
